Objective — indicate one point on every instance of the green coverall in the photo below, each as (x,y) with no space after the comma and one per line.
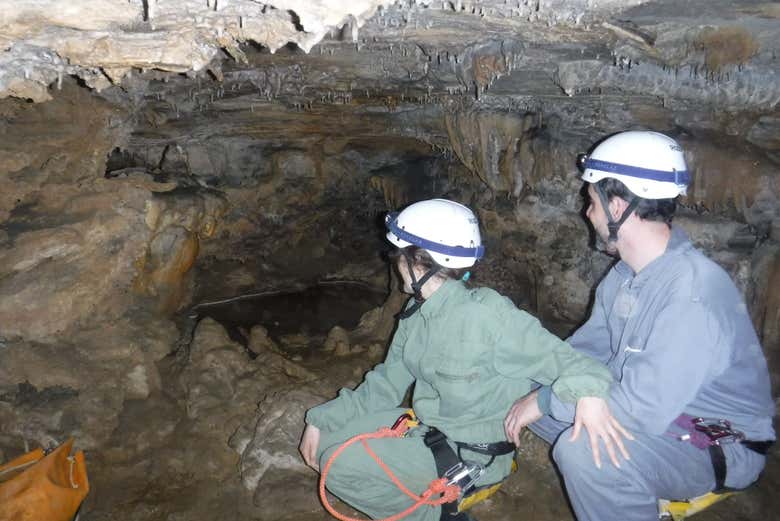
(470,353)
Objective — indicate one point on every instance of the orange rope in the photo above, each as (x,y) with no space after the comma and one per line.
(448,493)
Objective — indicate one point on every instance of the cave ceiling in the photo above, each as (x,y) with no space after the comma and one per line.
(308,53)
(472,80)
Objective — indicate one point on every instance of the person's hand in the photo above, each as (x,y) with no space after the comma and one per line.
(523,412)
(308,447)
(594,414)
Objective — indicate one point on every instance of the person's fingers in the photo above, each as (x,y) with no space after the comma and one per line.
(514,436)
(508,424)
(594,447)
(313,459)
(575,432)
(620,428)
(610,446)
(621,446)
(306,452)
(514,432)
(511,428)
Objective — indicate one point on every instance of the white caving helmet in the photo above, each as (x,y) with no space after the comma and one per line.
(447,230)
(651,165)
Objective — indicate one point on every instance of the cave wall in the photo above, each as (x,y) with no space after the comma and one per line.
(71,242)
(129,212)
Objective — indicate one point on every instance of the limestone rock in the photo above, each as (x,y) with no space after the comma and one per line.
(177,222)
(337,341)
(269,443)
(143,426)
(222,384)
(100,39)
(765,274)
(376,325)
(287,493)
(218,368)
(77,387)
(270,358)
(260,342)
(376,351)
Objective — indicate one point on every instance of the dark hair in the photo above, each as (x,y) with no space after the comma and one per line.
(661,210)
(423,259)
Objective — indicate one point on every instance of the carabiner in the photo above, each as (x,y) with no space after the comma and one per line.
(718,430)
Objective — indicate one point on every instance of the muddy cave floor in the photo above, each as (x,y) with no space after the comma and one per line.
(184,476)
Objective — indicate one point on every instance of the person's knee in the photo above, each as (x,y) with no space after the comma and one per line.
(325,455)
(575,458)
(348,467)
(575,462)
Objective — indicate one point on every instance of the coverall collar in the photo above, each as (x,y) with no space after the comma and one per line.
(678,243)
(436,303)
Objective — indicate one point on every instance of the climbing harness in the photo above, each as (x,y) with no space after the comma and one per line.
(710,434)
(440,487)
(450,463)
(454,490)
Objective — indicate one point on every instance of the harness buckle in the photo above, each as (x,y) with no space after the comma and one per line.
(464,475)
(718,430)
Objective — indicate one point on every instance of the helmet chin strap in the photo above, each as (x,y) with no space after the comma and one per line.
(416,287)
(612,225)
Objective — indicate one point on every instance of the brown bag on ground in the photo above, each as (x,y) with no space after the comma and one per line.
(43,487)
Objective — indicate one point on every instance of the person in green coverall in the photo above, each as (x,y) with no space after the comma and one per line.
(469,353)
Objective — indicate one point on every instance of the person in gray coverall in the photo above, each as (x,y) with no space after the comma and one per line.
(691,380)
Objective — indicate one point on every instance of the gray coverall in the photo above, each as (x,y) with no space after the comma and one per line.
(678,339)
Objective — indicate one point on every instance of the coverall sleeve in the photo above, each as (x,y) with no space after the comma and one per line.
(526,350)
(592,338)
(384,387)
